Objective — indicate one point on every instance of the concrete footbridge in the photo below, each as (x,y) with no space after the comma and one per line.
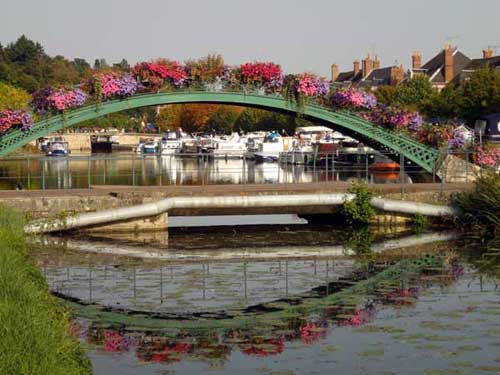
(154,214)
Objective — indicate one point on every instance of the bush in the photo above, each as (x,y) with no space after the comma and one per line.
(359,210)
(420,223)
(481,206)
(34,333)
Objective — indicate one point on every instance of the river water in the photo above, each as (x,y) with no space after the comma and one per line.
(77,171)
(293,299)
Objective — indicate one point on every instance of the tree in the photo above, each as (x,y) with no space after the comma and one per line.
(411,94)
(481,94)
(386,94)
(448,104)
(82,66)
(414,92)
(12,97)
(24,51)
(169,117)
(223,119)
(100,64)
(194,117)
(123,66)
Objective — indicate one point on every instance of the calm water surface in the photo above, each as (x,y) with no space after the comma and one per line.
(419,309)
(77,171)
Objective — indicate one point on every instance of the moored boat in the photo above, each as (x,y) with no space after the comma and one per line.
(57,146)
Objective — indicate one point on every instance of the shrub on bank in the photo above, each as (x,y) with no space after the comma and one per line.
(359,211)
(34,329)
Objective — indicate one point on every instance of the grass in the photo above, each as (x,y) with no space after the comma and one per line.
(35,329)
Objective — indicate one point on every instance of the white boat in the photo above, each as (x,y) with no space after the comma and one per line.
(270,149)
(171,143)
(57,146)
(232,147)
(147,146)
(254,140)
(305,144)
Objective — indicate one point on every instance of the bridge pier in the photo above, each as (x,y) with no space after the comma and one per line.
(149,224)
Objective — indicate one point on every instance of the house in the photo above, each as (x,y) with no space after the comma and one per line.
(443,68)
(367,74)
(488,61)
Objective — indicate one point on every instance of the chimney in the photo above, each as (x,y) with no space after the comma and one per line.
(397,75)
(488,53)
(367,66)
(376,63)
(335,72)
(448,63)
(356,67)
(416,60)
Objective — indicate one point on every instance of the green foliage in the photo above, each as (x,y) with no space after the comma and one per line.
(291,94)
(223,119)
(415,92)
(420,223)
(120,120)
(34,333)
(412,94)
(476,96)
(386,94)
(481,206)
(360,241)
(13,98)
(481,94)
(260,120)
(359,210)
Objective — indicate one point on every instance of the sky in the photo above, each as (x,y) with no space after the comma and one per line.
(301,35)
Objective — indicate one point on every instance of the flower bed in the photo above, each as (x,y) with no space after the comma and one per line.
(9,119)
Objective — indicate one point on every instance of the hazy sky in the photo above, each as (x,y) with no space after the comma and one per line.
(301,35)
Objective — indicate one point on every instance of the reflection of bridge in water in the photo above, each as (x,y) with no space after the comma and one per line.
(189,281)
(187,288)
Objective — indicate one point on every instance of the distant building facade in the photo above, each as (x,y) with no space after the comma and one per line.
(443,68)
(367,74)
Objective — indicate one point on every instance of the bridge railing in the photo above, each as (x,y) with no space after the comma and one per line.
(29,172)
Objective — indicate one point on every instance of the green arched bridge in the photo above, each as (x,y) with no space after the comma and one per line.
(375,136)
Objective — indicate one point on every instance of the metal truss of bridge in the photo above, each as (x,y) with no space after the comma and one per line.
(344,121)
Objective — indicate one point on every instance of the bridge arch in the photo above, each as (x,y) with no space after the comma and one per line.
(420,154)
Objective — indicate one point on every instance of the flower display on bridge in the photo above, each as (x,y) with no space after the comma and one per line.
(158,73)
(111,85)
(488,157)
(63,99)
(312,85)
(9,119)
(264,74)
(354,98)
(40,101)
